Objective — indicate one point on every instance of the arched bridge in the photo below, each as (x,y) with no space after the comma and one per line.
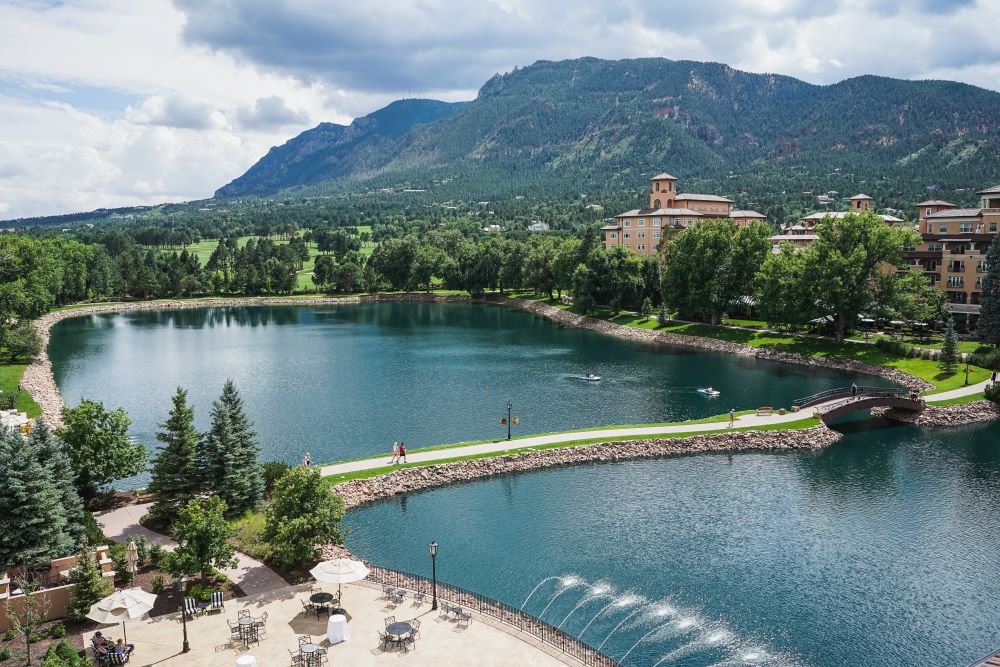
(838,402)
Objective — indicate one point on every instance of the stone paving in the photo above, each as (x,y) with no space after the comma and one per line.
(442,641)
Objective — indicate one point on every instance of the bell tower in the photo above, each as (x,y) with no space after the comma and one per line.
(861,203)
(662,191)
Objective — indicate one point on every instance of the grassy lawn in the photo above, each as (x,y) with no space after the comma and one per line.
(968,346)
(809,422)
(10,377)
(806,345)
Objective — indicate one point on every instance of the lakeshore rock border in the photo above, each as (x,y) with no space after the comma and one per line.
(975,412)
(39,381)
(405,480)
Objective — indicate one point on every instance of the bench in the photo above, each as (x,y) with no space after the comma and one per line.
(765,411)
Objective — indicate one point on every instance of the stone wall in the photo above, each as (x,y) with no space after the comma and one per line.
(405,480)
(946,415)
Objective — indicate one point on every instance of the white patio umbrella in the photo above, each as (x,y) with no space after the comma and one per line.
(124,605)
(339,571)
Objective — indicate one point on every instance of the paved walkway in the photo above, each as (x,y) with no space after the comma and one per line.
(249,574)
(612,432)
(977,388)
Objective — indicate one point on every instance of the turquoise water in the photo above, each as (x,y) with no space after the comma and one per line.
(345,381)
(879,551)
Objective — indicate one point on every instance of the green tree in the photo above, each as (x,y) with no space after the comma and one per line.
(427,263)
(99,446)
(22,341)
(780,290)
(89,586)
(26,618)
(948,360)
(325,271)
(842,265)
(240,479)
(202,533)
(646,309)
(711,264)
(34,523)
(52,454)
(584,288)
(303,516)
(988,327)
(175,479)
(661,316)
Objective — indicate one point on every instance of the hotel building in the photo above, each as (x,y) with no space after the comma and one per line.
(641,230)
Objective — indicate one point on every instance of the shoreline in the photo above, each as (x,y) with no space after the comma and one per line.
(39,381)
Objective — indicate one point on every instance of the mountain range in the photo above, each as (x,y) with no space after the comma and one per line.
(588,125)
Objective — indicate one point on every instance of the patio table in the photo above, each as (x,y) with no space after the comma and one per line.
(336,629)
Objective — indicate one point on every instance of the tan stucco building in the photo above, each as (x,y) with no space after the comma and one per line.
(952,252)
(641,230)
(802,233)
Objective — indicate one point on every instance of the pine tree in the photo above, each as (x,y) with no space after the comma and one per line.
(34,525)
(242,479)
(949,349)
(174,476)
(90,586)
(52,454)
(661,316)
(989,317)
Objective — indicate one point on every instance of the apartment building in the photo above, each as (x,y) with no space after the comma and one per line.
(641,230)
(952,252)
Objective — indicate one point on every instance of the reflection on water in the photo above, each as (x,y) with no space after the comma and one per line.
(876,551)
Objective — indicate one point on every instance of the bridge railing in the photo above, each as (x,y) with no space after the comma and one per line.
(840,391)
(882,393)
(512,616)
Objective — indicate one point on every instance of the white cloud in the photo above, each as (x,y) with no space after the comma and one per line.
(113,102)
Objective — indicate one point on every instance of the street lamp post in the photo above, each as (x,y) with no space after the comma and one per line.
(433,548)
(509,406)
(181,585)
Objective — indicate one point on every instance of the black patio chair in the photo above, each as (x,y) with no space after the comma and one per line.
(308,608)
(305,639)
(416,628)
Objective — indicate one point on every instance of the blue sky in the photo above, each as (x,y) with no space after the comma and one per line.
(117,102)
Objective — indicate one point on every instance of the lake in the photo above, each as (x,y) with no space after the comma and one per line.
(344,381)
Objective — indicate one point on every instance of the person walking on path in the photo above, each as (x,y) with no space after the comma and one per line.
(854,390)
(395,452)
(402,453)
(307,460)
(732,417)
(993,378)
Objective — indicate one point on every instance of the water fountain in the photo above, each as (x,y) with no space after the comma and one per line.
(622,602)
(596,591)
(568,583)
(535,589)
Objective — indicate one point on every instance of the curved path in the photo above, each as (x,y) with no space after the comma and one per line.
(743,421)
(252,576)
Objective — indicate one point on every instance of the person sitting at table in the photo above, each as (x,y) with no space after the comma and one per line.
(119,646)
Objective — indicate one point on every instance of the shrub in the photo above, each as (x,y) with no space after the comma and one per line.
(156,584)
(141,549)
(155,554)
(896,347)
(993,392)
(95,536)
(58,631)
(4,654)
(9,635)
(35,637)
(119,557)
(248,536)
(987,358)
(201,592)
(70,655)
(273,470)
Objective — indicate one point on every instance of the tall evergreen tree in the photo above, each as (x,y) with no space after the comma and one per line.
(34,525)
(174,476)
(89,586)
(949,348)
(989,317)
(53,455)
(242,480)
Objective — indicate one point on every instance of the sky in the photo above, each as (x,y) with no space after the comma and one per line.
(120,102)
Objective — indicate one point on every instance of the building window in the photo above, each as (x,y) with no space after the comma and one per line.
(956,281)
(656,222)
(931,265)
(929,211)
(933,247)
(641,246)
(641,222)
(965,228)
(656,184)
(943,228)
(979,283)
(656,235)
(627,223)
(956,267)
(930,227)
(627,235)
(982,267)
(614,235)
(993,227)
